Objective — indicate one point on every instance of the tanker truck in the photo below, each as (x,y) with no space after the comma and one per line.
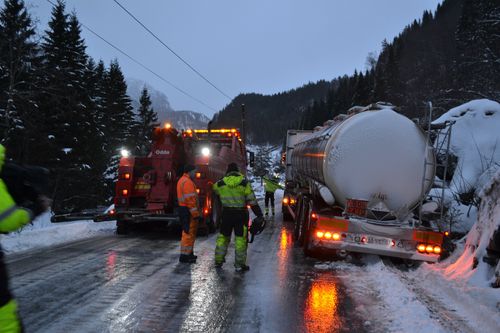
(360,184)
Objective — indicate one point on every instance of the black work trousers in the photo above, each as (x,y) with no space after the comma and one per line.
(269,197)
(5,295)
(233,219)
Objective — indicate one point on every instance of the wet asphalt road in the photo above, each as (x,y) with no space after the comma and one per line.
(135,284)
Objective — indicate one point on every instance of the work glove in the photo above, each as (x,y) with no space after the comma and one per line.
(17,220)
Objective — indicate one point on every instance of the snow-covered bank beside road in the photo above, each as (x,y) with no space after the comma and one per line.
(43,233)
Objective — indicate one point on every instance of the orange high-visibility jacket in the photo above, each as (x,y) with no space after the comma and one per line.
(187,196)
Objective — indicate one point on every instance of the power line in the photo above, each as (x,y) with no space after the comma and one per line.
(170,49)
(144,66)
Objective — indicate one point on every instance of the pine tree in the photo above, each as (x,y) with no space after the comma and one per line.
(147,120)
(18,62)
(119,120)
(478,41)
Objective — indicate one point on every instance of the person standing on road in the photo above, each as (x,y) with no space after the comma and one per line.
(12,218)
(189,213)
(270,186)
(235,194)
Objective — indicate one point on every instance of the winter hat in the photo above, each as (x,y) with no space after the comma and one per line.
(232,167)
(189,167)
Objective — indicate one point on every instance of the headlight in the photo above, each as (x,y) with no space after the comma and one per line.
(125,153)
(205,151)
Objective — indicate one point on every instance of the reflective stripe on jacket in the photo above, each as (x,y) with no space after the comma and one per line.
(187,196)
(235,191)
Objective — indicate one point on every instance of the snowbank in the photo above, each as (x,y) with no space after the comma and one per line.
(475,140)
(470,267)
(43,233)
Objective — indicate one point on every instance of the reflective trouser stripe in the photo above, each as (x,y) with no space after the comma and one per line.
(240,249)
(221,245)
(187,240)
(9,321)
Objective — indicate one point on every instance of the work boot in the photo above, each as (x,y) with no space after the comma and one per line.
(242,269)
(191,255)
(187,259)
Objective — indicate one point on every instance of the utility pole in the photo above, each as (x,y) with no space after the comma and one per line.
(243,130)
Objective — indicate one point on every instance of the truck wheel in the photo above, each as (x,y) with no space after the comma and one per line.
(298,224)
(122,228)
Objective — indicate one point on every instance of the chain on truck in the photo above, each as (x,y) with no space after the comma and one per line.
(361,183)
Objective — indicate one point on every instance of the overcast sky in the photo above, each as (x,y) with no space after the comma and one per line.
(262,46)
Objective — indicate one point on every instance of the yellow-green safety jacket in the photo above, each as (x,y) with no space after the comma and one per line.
(271,185)
(235,191)
(12,217)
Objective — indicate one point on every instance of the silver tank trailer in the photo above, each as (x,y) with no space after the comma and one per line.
(375,155)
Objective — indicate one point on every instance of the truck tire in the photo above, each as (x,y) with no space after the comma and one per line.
(297,234)
(122,228)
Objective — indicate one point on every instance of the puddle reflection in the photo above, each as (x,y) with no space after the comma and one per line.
(111,265)
(321,308)
(284,253)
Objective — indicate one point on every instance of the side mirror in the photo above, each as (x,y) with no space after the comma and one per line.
(251,159)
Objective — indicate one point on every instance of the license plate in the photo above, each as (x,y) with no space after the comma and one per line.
(402,244)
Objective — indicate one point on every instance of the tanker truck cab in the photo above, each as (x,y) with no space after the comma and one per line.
(361,181)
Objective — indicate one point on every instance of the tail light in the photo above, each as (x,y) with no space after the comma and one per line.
(205,211)
(421,248)
(437,249)
(328,235)
(112,212)
(285,201)
(198,175)
(314,217)
(446,233)
(198,190)
(429,249)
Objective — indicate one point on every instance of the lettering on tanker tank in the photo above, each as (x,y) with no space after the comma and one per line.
(162,152)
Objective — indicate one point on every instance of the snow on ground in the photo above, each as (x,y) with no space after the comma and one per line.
(475,140)
(43,233)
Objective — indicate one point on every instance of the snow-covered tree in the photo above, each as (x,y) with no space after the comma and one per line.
(147,120)
(18,60)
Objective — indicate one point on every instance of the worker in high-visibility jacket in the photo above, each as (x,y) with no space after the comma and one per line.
(189,213)
(12,218)
(235,195)
(270,186)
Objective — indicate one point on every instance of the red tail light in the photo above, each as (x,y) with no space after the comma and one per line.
(125,192)
(126,176)
(314,216)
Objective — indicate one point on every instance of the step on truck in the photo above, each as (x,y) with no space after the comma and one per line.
(360,184)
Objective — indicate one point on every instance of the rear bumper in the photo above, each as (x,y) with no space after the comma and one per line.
(136,217)
(375,249)
(357,235)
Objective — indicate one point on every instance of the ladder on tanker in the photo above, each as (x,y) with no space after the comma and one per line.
(438,140)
